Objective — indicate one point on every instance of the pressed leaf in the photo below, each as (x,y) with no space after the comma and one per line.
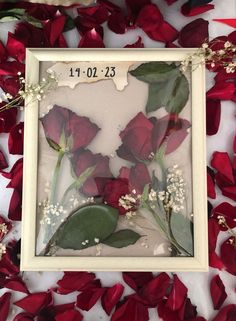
(181,228)
(90,223)
(122,238)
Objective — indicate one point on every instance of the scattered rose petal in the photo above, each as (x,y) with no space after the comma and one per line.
(213,113)
(15,140)
(91,39)
(218,294)
(228,211)
(10,85)
(3,161)
(3,52)
(177,295)
(69,315)
(15,207)
(221,162)
(149,18)
(4,306)
(165,33)
(7,119)
(198,28)
(226,314)
(213,232)
(24,316)
(11,68)
(211,183)
(221,91)
(228,255)
(228,22)
(54,28)
(15,48)
(111,297)
(88,298)
(35,302)
(130,307)
(137,44)
(16,284)
(136,280)
(74,281)
(193,11)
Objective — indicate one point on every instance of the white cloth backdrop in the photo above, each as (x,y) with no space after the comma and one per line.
(198,283)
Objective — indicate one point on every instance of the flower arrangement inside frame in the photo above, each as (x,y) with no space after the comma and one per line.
(114,172)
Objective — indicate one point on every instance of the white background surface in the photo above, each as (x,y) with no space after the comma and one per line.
(197,283)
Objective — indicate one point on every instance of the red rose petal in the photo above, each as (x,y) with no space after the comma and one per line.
(11,68)
(10,85)
(213,232)
(4,306)
(228,22)
(54,28)
(74,281)
(215,261)
(229,191)
(111,297)
(222,91)
(198,28)
(15,140)
(8,226)
(149,18)
(177,295)
(154,291)
(88,298)
(91,39)
(7,120)
(232,37)
(213,113)
(193,11)
(7,267)
(15,207)
(35,302)
(170,2)
(117,22)
(164,33)
(218,294)
(15,48)
(24,316)
(131,307)
(221,162)
(15,175)
(135,6)
(3,53)
(228,211)
(136,280)
(227,313)
(16,284)
(137,44)
(69,315)
(210,183)
(3,161)
(228,255)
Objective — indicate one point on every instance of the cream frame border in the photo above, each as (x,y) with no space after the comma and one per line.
(31,262)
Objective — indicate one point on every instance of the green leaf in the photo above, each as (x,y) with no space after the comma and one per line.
(11,14)
(91,222)
(33,21)
(155,71)
(182,228)
(122,238)
(52,144)
(69,24)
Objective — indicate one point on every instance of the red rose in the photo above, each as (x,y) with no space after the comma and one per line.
(65,130)
(84,159)
(113,191)
(142,137)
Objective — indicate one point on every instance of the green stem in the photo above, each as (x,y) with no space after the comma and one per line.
(55,177)
(69,188)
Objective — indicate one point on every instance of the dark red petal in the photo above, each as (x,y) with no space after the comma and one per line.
(91,39)
(74,281)
(170,2)
(198,28)
(228,22)
(228,211)
(229,191)
(154,291)
(136,280)
(117,22)
(24,316)
(88,298)
(232,37)
(111,297)
(4,306)
(213,232)
(210,183)
(69,315)
(3,161)
(7,267)
(222,90)
(218,294)
(54,28)
(35,302)
(213,113)
(8,226)
(11,68)
(221,162)
(3,52)
(134,6)
(7,120)
(131,307)
(139,177)
(15,207)
(189,12)
(177,295)
(228,255)
(149,18)
(137,44)
(215,261)
(10,85)
(15,48)
(164,33)
(227,313)
(16,284)
(15,139)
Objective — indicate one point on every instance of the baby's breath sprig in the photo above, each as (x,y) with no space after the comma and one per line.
(33,92)
(214,53)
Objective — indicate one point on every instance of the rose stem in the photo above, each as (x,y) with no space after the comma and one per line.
(55,177)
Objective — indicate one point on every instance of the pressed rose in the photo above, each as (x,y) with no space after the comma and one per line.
(113,191)
(227,313)
(91,39)
(228,212)
(88,298)
(211,183)
(213,113)
(35,302)
(84,159)
(3,161)
(65,130)
(142,136)
(15,139)
(218,293)
(74,281)
(5,306)
(138,176)
(7,119)
(228,255)
(111,297)
(198,28)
